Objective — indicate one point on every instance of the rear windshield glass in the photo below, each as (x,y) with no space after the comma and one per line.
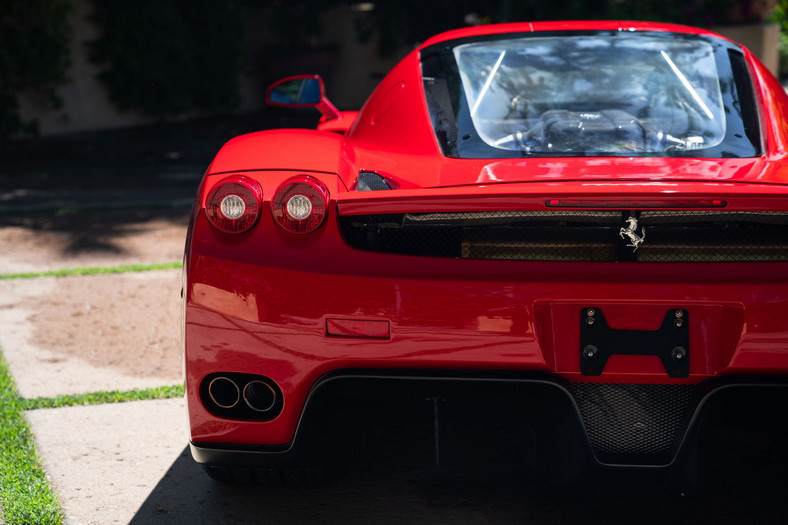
(644,94)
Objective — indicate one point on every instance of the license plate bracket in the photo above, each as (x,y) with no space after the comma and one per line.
(670,342)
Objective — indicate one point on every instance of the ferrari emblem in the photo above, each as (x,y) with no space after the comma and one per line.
(630,233)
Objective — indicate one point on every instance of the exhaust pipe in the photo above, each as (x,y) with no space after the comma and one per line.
(224,392)
(221,394)
(259,396)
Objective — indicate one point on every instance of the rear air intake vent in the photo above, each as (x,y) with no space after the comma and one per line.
(587,236)
(635,424)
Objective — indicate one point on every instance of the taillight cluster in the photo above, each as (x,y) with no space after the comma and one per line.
(299,205)
(233,205)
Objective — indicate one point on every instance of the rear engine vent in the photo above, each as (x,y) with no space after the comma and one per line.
(589,236)
(635,424)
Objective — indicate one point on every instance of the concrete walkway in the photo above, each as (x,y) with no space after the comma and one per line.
(104,461)
(82,334)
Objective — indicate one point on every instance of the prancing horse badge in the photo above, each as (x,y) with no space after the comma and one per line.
(630,233)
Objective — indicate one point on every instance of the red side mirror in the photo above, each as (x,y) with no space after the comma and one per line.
(302,91)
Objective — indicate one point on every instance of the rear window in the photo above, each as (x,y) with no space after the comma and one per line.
(616,93)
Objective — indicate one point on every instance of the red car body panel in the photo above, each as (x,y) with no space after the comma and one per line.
(269,302)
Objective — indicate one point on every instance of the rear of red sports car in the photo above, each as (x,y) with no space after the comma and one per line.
(583,225)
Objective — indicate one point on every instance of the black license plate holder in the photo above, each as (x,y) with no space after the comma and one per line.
(670,342)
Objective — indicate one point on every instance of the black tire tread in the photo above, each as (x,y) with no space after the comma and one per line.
(292,477)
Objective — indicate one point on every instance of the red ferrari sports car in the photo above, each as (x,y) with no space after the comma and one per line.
(578,226)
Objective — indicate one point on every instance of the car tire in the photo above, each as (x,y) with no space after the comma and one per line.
(294,477)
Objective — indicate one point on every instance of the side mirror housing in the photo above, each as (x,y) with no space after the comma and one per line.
(302,91)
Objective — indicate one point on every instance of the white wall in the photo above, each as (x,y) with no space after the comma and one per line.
(355,70)
(358,68)
(86,104)
(762,39)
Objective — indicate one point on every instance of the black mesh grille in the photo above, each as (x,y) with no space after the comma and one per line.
(592,236)
(635,424)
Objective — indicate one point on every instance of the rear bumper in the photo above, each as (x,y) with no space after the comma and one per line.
(470,318)
(623,425)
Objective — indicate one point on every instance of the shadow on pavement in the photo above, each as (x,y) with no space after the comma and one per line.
(739,484)
(100,232)
(368,493)
(154,163)
(92,188)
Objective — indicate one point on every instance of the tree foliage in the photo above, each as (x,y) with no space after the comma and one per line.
(34,56)
(703,13)
(167,57)
(406,22)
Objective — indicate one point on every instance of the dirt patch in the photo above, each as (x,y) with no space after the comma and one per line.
(128,322)
(88,333)
(75,335)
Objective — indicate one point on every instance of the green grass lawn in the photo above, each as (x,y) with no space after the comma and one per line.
(25,494)
(26,497)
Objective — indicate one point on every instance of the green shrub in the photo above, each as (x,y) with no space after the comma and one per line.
(34,56)
(781,17)
(167,57)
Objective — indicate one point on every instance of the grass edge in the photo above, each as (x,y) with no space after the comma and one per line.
(26,496)
(104,397)
(93,270)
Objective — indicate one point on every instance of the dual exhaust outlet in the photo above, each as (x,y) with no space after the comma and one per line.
(241,396)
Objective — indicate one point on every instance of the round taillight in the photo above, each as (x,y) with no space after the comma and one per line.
(300,204)
(233,205)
